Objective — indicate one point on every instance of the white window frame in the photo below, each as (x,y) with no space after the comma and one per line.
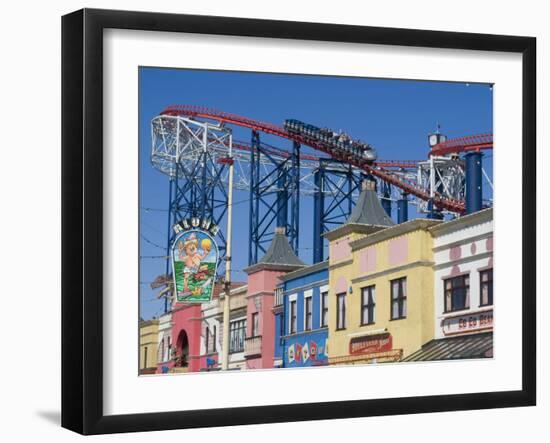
(307,295)
(323,289)
(292,298)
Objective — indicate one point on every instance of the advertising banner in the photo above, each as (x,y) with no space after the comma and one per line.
(195,258)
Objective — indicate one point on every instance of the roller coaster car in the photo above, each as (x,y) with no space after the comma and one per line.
(339,141)
(370,154)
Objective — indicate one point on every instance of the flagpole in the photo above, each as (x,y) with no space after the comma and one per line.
(227,280)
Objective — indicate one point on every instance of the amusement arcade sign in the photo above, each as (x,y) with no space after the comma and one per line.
(195,257)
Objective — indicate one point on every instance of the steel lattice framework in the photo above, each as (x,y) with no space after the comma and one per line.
(191,145)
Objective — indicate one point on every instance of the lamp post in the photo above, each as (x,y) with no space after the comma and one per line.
(227,279)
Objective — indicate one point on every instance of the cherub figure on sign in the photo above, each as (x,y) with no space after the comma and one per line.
(190,255)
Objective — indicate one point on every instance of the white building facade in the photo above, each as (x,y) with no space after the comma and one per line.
(212,329)
(463,289)
(164,356)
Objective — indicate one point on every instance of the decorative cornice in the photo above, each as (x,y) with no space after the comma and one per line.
(271,267)
(352,228)
(483,216)
(394,231)
(315,284)
(463,241)
(304,271)
(340,264)
(461,261)
(145,323)
(259,293)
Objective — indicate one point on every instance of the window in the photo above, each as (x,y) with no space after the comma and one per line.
(279,294)
(367,305)
(398,298)
(341,311)
(457,293)
(237,333)
(145,357)
(214,338)
(308,312)
(486,287)
(255,324)
(324,309)
(293,317)
(211,340)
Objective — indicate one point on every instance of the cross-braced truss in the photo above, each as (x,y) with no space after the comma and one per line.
(190,144)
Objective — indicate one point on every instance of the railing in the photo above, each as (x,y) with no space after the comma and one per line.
(253,346)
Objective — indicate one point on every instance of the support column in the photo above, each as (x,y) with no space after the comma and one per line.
(282,199)
(318,214)
(254,199)
(403,208)
(385,200)
(293,235)
(473,182)
(169,236)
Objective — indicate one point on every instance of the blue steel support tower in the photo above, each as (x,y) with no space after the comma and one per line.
(335,184)
(403,208)
(473,182)
(318,211)
(270,194)
(293,227)
(205,198)
(386,197)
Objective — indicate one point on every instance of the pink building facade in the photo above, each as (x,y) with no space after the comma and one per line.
(259,344)
(263,277)
(186,336)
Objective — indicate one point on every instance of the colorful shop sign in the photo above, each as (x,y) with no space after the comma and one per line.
(307,352)
(466,323)
(195,258)
(371,344)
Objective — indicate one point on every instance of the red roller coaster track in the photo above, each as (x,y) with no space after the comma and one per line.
(379,169)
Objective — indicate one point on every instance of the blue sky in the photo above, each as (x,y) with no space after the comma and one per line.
(395,116)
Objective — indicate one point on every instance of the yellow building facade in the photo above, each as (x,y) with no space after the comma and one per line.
(148,346)
(381,302)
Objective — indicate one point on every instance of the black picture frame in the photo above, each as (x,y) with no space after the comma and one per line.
(82,216)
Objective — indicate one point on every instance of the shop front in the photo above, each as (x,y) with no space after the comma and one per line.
(376,347)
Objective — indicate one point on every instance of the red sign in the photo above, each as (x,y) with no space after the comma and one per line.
(313,350)
(298,355)
(370,344)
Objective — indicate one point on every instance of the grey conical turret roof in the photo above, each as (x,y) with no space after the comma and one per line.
(280,252)
(368,210)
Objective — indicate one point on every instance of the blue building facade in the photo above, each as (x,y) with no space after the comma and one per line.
(301,317)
